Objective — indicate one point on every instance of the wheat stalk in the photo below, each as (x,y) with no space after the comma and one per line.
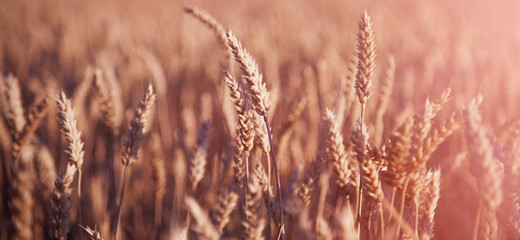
(73,136)
(131,144)
(254,223)
(260,99)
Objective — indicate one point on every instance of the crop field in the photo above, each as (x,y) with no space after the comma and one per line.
(268,119)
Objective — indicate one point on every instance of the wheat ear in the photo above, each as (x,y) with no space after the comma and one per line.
(245,140)
(221,217)
(131,144)
(75,144)
(485,168)
(60,204)
(12,106)
(366,55)
(197,164)
(430,201)
(260,99)
(336,150)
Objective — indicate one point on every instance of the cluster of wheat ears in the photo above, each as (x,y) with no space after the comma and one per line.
(368,179)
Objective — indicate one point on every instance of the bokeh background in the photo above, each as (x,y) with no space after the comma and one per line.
(303,49)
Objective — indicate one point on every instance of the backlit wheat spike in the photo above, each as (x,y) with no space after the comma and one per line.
(371,182)
(246,129)
(256,87)
(245,126)
(75,144)
(137,127)
(70,131)
(366,59)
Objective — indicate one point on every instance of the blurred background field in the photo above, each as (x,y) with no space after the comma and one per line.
(303,48)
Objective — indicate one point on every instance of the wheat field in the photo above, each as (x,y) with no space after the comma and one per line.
(259,119)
